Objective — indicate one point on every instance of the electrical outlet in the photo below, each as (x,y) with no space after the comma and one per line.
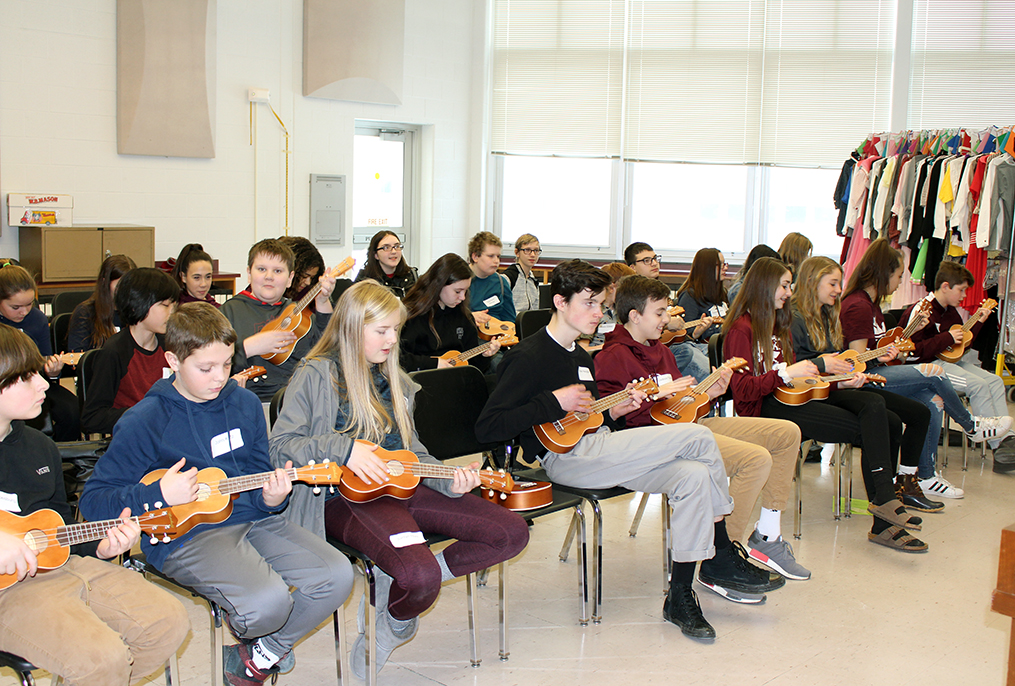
(258,95)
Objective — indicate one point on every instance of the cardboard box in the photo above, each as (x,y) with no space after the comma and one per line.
(40,210)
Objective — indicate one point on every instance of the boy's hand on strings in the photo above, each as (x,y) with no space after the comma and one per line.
(53,366)
(120,538)
(956,335)
(574,398)
(465,479)
(179,488)
(631,404)
(278,486)
(365,464)
(720,386)
(16,557)
(267,342)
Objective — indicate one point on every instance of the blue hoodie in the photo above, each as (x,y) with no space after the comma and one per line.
(228,432)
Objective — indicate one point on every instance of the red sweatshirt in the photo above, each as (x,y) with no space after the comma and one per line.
(623,359)
(934,338)
(750,387)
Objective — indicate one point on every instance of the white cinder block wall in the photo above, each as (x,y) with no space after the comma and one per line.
(58,126)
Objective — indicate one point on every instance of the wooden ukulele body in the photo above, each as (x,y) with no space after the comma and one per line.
(290,320)
(209,508)
(494,328)
(30,529)
(527,495)
(559,437)
(953,353)
(683,408)
(890,338)
(803,390)
(401,482)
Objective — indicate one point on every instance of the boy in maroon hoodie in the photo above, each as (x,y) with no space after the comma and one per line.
(759,454)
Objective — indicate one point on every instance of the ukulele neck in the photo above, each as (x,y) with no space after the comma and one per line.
(473,352)
(75,534)
(249,482)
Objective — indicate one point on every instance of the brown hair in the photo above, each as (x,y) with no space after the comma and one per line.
(634,292)
(702,283)
(193,326)
(875,269)
(575,276)
(817,317)
(271,247)
(757,298)
(15,279)
(953,274)
(373,268)
(424,295)
(618,270)
(794,249)
(306,256)
(480,241)
(19,357)
(524,239)
(101,299)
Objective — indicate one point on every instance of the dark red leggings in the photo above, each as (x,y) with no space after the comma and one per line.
(486,534)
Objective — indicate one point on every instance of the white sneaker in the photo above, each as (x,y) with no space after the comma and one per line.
(986,428)
(938,486)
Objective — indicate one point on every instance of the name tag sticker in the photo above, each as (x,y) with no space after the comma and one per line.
(225,442)
(166,372)
(492,301)
(607,327)
(9,502)
(407,538)
(585,374)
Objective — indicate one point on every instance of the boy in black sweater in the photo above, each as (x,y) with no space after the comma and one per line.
(547,376)
(89,621)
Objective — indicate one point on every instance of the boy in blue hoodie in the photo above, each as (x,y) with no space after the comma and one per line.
(201,418)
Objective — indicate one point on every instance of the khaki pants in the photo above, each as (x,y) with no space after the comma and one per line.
(92,622)
(760,458)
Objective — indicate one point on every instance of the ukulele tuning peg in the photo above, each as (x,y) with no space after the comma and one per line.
(317,490)
(503,496)
(312,462)
(146,507)
(158,505)
(165,538)
(153,540)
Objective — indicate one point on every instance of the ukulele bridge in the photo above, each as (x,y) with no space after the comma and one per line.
(559,428)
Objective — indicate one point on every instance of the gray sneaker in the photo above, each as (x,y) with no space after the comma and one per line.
(777,555)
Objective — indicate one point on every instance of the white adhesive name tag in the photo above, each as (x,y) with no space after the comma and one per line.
(407,538)
(9,502)
(585,374)
(492,300)
(223,443)
(607,327)
(166,372)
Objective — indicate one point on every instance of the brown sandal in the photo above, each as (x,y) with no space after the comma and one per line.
(897,538)
(894,512)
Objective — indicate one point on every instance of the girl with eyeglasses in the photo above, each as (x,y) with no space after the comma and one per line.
(524,285)
(386,264)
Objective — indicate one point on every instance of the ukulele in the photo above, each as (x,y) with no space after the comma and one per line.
(859,359)
(253,374)
(526,495)
(50,539)
(404,472)
(954,353)
(562,435)
(692,405)
(293,319)
(667,335)
(679,335)
(215,493)
(456,359)
(70,358)
(495,327)
(898,335)
(803,390)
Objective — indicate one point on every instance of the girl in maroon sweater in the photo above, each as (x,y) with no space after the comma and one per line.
(758,329)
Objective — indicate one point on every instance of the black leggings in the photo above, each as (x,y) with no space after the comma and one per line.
(915,415)
(857,417)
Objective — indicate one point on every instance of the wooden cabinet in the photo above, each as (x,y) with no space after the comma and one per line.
(76,253)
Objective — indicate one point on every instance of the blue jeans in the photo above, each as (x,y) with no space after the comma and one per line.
(908,380)
(691,361)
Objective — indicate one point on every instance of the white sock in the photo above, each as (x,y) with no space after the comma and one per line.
(446,574)
(903,469)
(262,658)
(770,524)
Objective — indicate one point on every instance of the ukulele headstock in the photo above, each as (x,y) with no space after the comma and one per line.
(497,480)
(320,473)
(253,374)
(159,524)
(735,363)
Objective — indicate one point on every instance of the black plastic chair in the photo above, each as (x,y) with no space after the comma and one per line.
(66,301)
(22,667)
(59,325)
(531,321)
(84,375)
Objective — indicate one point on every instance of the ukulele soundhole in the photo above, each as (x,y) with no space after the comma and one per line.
(396,468)
(203,492)
(286,322)
(36,540)
(811,382)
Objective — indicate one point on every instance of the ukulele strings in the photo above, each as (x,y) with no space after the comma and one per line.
(248,482)
(72,534)
(597,407)
(687,399)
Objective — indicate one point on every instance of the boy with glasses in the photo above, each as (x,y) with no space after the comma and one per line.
(524,285)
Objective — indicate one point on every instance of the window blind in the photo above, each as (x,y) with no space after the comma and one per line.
(962,64)
(715,81)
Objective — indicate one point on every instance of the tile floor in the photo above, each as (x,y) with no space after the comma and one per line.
(837,628)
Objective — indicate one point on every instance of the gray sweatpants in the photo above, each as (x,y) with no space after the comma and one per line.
(680,460)
(248,568)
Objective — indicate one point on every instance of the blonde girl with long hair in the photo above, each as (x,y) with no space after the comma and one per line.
(349,387)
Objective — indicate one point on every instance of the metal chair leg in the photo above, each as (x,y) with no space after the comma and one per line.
(470,601)
(172,671)
(666,544)
(503,571)
(947,440)
(482,576)
(569,536)
(583,570)
(636,522)
(849,478)
(370,625)
(597,561)
(338,622)
(216,639)
(798,513)
(837,494)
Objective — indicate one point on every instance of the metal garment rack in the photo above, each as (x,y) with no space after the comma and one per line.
(1000,368)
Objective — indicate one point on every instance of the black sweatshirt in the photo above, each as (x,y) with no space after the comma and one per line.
(526,379)
(31,478)
(457,332)
(121,375)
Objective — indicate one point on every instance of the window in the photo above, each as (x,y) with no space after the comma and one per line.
(800,200)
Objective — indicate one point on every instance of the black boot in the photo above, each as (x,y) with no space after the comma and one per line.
(730,575)
(681,608)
